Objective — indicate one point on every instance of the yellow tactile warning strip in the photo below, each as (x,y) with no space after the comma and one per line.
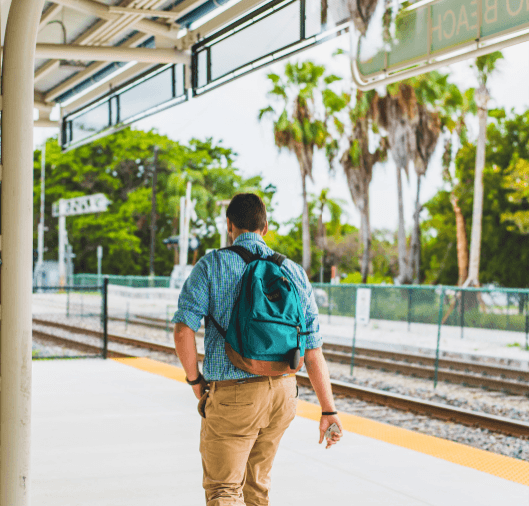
(457,453)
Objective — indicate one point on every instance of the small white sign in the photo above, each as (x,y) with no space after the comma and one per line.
(363,305)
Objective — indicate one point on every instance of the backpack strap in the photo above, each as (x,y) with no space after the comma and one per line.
(222,332)
(277,258)
(246,255)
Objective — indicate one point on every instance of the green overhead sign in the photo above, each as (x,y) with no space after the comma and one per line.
(417,35)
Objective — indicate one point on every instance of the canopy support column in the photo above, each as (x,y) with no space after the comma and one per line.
(17,245)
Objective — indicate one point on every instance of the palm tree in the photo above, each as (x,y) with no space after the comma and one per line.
(361,13)
(434,108)
(358,162)
(485,67)
(398,115)
(428,130)
(297,125)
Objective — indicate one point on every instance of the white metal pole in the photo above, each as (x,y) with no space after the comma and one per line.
(17,251)
(99,265)
(185,245)
(40,260)
(223,227)
(182,233)
(62,246)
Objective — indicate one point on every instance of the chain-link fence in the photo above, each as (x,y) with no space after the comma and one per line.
(496,309)
(70,321)
(484,324)
(131,281)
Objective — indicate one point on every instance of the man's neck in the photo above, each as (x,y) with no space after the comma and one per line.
(240,232)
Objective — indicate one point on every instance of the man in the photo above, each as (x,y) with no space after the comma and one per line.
(244,416)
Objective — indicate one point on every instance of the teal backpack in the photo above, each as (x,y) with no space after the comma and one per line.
(267,331)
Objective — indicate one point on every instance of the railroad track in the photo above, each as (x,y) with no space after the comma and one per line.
(491,377)
(473,374)
(396,401)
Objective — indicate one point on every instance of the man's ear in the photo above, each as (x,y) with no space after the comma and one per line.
(265,230)
(230,226)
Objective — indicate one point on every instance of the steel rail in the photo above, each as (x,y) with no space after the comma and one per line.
(403,363)
(434,410)
(477,367)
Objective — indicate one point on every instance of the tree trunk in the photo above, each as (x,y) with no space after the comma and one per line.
(403,277)
(416,236)
(462,242)
(482,98)
(366,238)
(305,227)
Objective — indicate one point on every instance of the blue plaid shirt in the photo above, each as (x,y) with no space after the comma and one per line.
(213,287)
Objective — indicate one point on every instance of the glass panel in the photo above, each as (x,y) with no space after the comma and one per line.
(411,37)
(114,115)
(202,68)
(180,80)
(90,122)
(146,95)
(260,39)
(337,13)
(312,18)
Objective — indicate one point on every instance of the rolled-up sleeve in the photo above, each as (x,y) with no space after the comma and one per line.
(314,339)
(193,302)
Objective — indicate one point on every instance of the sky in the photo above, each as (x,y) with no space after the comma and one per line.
(229,114)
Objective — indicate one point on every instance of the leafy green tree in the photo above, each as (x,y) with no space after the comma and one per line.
(119,166)
(505,250)
(299,125)
(358,162)
(211,170)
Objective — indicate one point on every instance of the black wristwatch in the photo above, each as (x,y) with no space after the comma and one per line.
(195,382)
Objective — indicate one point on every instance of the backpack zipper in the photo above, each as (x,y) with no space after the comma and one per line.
(297,327)
(282,278)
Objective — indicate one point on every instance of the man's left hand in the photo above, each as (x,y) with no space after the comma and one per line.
(200,389)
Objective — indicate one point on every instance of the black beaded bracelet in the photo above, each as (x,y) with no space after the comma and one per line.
(194,382)
(329,413)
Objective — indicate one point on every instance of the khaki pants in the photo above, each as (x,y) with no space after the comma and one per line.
(239,438)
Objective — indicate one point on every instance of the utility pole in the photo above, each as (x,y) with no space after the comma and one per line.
(153,210)
(40,246)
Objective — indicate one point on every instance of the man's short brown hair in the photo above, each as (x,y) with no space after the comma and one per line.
(247,212)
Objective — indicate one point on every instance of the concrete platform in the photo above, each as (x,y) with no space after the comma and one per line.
(108,434)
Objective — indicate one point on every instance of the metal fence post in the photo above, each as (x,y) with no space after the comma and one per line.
(329,310)
(409,308)
(167,319)
(439,323)
(526,322)
(67,302)
(462,312)
(105,317)
(354,335)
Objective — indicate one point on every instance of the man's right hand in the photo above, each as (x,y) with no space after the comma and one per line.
(325,422)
